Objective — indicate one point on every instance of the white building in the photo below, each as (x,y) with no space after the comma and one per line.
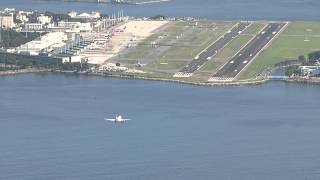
(22,17)
(9,10)
(75,26)
(33,26)
(111,67)
(42,19)
(85,27)
(47,42)
(70,25)
(72,14)
(309,70)
(6,20)
(73,59)
(25,12)
(92,15)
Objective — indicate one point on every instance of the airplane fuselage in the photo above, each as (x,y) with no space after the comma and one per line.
(118,119)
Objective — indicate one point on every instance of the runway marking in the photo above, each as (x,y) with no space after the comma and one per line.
(242,47)
(220,79)
(182,75)
(196,66)
(226,74)
(265,47)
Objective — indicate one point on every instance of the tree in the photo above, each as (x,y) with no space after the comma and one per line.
(302,58)
(158,17)
(291,70)
(58,17)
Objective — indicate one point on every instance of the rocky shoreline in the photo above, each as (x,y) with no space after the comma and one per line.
(258,81)
(23,71)
(304,80)
(236,83)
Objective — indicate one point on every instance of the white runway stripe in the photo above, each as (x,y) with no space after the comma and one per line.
(182,74)
(220,79)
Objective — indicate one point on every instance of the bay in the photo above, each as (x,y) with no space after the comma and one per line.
(212,9)
(52,127)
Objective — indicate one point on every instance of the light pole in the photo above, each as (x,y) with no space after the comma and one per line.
(1,30)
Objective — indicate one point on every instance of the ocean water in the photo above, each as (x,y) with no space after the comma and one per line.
(52,127)
(213,9)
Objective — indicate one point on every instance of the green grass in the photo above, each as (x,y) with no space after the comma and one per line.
(190,43)
(287,47)
(210,66)
(167,64)
(233,47)
(180,53)
(303,28)
(144,47)
(138,52)
(254,28)
(193,42)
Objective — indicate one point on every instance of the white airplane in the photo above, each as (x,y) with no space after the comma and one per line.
(117,119)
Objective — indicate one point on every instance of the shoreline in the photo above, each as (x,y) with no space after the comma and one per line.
(315,81)
(23,71)
(239,83)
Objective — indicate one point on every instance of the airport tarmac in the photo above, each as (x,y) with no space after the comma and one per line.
(212,50)
(236,64)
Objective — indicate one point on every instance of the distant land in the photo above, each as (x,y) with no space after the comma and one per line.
(133,2)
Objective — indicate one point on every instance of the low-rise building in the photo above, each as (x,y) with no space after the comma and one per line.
(42,19)
(83,16)
(310,71)
(75,26)
(9,10)
(72,14)
(33,27)
(6,20)
(22,17)
(111,67)
(45,43)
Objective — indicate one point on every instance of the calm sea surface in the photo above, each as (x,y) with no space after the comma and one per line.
(214,9)
(52,127)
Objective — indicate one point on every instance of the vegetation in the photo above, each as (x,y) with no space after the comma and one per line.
(233,47)
(300,38)
(313,57)
(11,38)
(254,28)
(291,70)
(24,61)
(33,17)
(58,16)
(192,40)
(77,66)
(158,17)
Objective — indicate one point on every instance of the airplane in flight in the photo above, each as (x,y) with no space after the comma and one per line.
(117,119)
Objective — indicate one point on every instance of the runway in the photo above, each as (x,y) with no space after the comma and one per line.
(236,64)
(212,50)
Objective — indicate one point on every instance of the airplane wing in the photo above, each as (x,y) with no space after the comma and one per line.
(109,119)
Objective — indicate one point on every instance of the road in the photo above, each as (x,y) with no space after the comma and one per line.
(236,64)
(212,50)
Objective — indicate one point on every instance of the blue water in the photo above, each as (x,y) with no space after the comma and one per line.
(52,127)
(213,9)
